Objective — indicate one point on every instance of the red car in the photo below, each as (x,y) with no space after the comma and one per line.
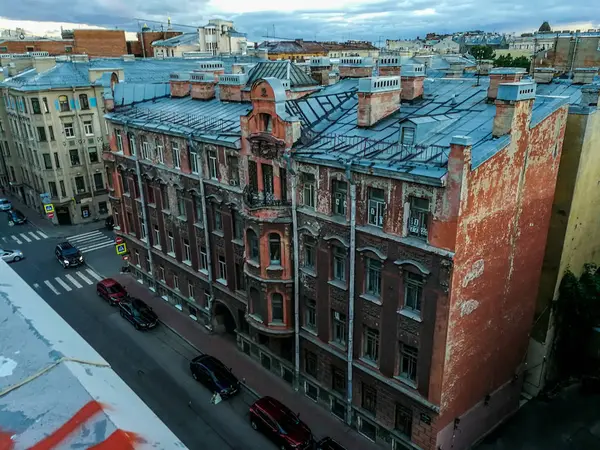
(111,291)
(280,424)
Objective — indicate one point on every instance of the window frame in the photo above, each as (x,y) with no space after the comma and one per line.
(338,325)
(376,207)
(253,243)
(84,102)
(371,338)
(309,190)
(336,274)
(69,130)
(339,192)
(408,365)
(413,281)
(213,169)
(373,278)
(310,312)
(418,217)
(88,128)
(63,103)
(176,154)
(280,307)
(275,256)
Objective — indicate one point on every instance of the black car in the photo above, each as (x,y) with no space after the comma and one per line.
(16,217)
(109,223)
(329,444)
(212,373)
(68,255)
(138,313)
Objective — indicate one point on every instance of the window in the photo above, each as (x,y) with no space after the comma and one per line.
(132,148)
(51,132)
(222,269)
(338,380)
(170,243)
(275,249)
(408,362)
(56,160)
(338,325)
(52,188)
(203,259)
(212,164)
(373,285)
(187,253)
(193,160)
(88,128)
(35,106)
(150,194)
(176,154)
(218,218)
(125,183)
(253,249)
(83,101)
(403,420)
(143,232)
(176,282)
(408,136)
(69,131)
(119,140)
(240,279)
(369,398)
(80,185)
(265,123)
(164,196)
(47,161)
(103,209)
(161,273)
(156,236)
(63,102)
(418,217)
(340,188)
(181,210)
(277,307)
(160,154)
(308,190)
(45,103)
(310,314)
(41,134)
(371,344)
(376,207)
(198,209)
(413,291)
(98,182)
(310,363)
(191,291)
(63,190)
(340,256)
(74,156)
(238,225)
(93,154)
(309,260)
(233,170)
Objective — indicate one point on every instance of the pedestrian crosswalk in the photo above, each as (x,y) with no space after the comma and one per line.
(88,242)
(71,281)
(28,236)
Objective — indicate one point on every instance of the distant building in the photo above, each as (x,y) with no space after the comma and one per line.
(220,37)
(143,47)
(297,50)
(446,45)
(533,43)
(176,46)
(496,41)
(412,45)
(362,49)
(570,50)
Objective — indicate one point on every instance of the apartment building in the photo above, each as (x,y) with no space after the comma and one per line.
(570,50)
(219,37)
(376,242)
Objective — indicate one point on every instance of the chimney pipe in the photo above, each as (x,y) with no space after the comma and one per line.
(378,97)
(231,85)
(413,77)
(389,66)
(503,75)
(511,99)
(202,85)
(180,84)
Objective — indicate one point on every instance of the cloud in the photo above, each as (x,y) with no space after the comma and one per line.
(371,20)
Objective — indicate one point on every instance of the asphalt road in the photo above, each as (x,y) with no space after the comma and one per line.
(154,364)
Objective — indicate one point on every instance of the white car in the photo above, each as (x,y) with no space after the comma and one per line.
(5,204)
(11,255)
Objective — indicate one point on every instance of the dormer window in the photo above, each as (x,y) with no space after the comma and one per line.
(265,123)
(408,136)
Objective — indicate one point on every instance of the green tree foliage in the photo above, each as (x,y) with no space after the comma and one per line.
(508,61)
(545,27)
(522,61)
(482,52)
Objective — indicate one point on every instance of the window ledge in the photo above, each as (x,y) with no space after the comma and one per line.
(238,242)
(371,298)
(275,267)
(406,381)
(144,240)
(166,211)
(369,362)
(182,218)
(199,225)
(187,262)
(126,194)
(193,317)
(203,271)
(338,345)
(255,318)
(151,205)
(410,314)
(118,228)
(308,271)
(171,254)
(165,298)
(157,247)
(338,284)
(277,323)
(310,331)
(179,307)
(218,233)
(253,263)
(222,281)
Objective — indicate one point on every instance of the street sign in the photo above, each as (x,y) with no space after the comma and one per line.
(50,215)
(125,257)
(119,240)
(49,208)
(121,248)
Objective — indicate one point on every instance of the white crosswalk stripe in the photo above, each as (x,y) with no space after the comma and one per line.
(33,235)
(84,278)
(52,288)
(24,236)
(42,235)
(93,274)
(74,281)
(69,282)
(16,239)
(65,286)
(88,242)
(29,236)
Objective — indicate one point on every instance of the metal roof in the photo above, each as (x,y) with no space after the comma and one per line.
(283,70)
(182,39)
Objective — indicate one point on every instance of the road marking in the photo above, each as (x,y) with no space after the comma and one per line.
(83,235)
(36,286)
(42,235)
(91,248)
(93,274)
(33,235)
(16,239)
(84,278)
(24,236)
(52,288)
(74,281)
(63,284)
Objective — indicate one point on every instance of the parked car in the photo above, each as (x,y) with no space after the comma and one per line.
(11,255)
(213,374)
(329,444)
(5,204)
(280,424)
(109,223)
(138,313)
(16,217)
(111,291)
(68,255)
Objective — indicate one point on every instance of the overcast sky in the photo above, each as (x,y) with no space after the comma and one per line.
(370,20)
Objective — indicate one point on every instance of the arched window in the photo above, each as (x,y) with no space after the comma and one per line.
(277,307)
(253,252)
(265,123)
(83,101)
(275,249)
(63,102)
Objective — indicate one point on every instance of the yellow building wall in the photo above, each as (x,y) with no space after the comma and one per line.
(293,56)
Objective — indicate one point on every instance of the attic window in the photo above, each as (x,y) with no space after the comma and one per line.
(408,136)
(265,123)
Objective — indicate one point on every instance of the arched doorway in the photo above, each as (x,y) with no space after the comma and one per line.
(223,321)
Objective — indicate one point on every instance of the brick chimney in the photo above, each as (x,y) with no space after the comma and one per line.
(356,67)
(590,94)
(389,66)
(503,75)
(42,64)
(180,84)
(413,76)
(584,75)
(215,68)
(320,68)
(544,75)
(485,65)
(378,97)
(203,85)
(512,99)
(455,69)
(231,85)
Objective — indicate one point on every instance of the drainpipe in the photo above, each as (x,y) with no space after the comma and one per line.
(573,58)
(292,172)
(211,297)
(351,289)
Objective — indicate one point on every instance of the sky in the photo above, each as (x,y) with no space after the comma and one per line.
(371,20)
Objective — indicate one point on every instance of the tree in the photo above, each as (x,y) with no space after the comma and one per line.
(504,61)
(545,27)
(480,52)
(522,61)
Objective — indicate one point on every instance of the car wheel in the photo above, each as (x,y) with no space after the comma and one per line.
(17,259)
(122,315)
(253,425)
(137,327)
(11,223)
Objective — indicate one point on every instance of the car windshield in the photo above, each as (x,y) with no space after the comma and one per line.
(4,201)
(114,289)
(288,421)
(70,251)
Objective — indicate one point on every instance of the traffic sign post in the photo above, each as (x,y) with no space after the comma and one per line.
(118,240)
(121,248)
(50,215)
(49,208)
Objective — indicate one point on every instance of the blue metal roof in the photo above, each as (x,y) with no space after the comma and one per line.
(182,39)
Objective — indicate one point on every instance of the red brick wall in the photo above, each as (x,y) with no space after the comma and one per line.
(412,87)
(100,43)
(372,107)
(561,57)
(389,71)
(149,38)
(203,91)
(356,71)
(52,47)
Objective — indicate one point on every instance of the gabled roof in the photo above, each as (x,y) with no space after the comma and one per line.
(182,39)
(282,70)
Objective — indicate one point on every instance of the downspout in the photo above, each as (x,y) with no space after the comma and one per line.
(295,236)
(573,58)
(143,45)
(211,290)
(351,289)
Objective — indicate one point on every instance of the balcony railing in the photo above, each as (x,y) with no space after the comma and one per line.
(255,199)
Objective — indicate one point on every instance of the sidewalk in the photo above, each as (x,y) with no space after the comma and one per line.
(256,378)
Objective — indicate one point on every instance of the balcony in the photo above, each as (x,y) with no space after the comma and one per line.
(265,205)
(277,330)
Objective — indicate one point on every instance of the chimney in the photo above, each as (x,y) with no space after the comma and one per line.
(511,99)
(241,68)
(43,64)
(455,69)
(544,75)
(584,75)
(378,97)
(590,94)
(180,84)
(503,75)
(215,68)
(320,68)
(356,67)
(80,58)
(413,76)
(230,87)
(128,57)
(203,85)
(389,66)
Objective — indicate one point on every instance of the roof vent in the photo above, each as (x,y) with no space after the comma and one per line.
(413,70)
(210,65)
(201,77)
(522,90)
(320,62)
(378,84)
(389,61)
(237,79)
(179,76)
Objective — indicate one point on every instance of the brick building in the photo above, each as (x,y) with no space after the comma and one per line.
(570,50)
(376,242)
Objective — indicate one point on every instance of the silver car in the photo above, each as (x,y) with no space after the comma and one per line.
(5,204)
(11,255)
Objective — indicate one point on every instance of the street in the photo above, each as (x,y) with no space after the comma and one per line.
(154,364)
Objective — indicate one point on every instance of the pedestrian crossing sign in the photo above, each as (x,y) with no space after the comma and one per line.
(49,208)
(121,248)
